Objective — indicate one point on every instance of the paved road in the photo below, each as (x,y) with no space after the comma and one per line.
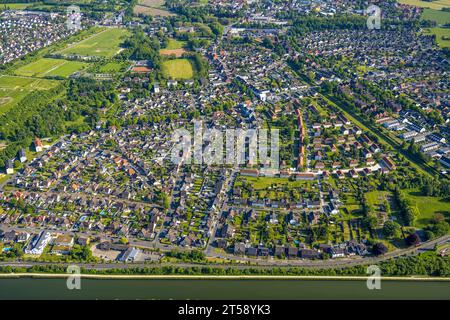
(260,263)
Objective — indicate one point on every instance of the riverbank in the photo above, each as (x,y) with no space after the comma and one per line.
(212,277)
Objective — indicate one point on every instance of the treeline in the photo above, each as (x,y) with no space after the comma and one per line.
(141,47)
(426,264)
(407,211)
(188,256)
(200,65)
(304,24)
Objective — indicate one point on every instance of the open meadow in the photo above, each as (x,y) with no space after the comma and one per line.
(13,89)
(106,43)
(442,36)
(152,8)
(50,67)
(439,16)
(428,206)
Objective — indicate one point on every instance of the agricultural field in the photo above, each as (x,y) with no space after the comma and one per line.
(174,47)
(442,36)
(439,16)
(50,67)
(152,8)
(152,11)
(178,69)
(152,3)
(437,5)
(106,43)
(13,89)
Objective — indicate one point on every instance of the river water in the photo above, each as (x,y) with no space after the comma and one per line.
(28,288)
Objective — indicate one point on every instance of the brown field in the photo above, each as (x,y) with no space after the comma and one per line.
(151,11)
(151,3)
(177,52)
(142,69)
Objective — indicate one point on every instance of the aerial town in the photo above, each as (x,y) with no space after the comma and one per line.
(88,117)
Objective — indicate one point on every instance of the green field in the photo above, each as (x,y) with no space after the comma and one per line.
(261,183)
(428,206)
(439,16)
(175,44)
(106,43)
(178,69)
(13,89)
(50,67)
(14,6)
(112,67)
(441,33)
(437,4)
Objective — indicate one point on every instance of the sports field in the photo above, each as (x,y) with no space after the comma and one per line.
(178,69)
(50,67)
(437,4)
(441,17)
(13,89)
(106,43)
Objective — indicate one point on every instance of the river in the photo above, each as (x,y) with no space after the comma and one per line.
(29,288)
